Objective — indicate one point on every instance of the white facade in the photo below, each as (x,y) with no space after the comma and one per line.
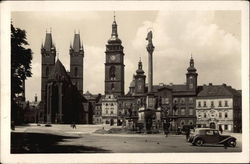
(215,112)
(109,109)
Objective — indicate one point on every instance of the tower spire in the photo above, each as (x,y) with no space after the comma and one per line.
(114,28)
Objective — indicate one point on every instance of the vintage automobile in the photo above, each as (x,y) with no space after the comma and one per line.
(202,136)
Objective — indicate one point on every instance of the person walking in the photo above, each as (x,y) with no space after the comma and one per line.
(220,129)
(187,134)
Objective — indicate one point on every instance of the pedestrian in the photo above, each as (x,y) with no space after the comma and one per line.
(178,131)
(187,134)
(220,129)
(74,125)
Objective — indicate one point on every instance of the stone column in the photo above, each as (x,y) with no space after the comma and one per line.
(150,48)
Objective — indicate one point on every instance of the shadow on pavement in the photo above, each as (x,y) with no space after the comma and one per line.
(47,143)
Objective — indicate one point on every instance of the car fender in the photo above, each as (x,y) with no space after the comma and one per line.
(227,139)
(195,138)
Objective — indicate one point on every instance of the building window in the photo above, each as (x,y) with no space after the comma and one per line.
(220,115)
(199,104)
(191,100)
(226,104)
(191,111)
(107,112)
(226,115)
(47,71)
(220,104)
(112,86)
(175,101)
(112,73)
(225,127)
(182,101)
(165,100)
(182,111)
(205,115)
(212,104)
(205,104)
(76,71)
(112,104)
(176,112)
(111,112)
(106,104)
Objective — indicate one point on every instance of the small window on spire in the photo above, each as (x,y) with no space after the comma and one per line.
(112,73)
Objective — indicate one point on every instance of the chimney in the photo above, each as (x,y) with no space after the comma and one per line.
(171,84)
(224,84)
(210,84)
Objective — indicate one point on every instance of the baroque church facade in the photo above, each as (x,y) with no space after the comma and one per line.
(61,91)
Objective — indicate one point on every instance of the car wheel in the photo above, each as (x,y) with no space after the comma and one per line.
(232,143)
(199,142)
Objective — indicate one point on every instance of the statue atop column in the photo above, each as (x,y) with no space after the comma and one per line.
(150,46)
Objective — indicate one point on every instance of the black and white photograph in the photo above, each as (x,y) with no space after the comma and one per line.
(124,82)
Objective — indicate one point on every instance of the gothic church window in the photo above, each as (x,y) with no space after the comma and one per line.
(112,73)
(47,71)
(76,71)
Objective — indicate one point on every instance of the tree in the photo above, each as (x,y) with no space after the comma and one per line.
(20,64)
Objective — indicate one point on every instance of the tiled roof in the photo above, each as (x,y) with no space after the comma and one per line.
(218,90)
(179,87)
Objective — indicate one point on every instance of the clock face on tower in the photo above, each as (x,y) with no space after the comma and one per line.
(112,57)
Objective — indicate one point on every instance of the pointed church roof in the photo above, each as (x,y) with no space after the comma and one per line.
(48,44)
(59,73)
(77,43)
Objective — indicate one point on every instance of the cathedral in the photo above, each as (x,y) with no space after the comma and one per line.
(62,100)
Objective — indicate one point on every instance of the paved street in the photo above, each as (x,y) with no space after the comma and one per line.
(63,139)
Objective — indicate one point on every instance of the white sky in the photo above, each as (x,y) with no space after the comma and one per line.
(213,38)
